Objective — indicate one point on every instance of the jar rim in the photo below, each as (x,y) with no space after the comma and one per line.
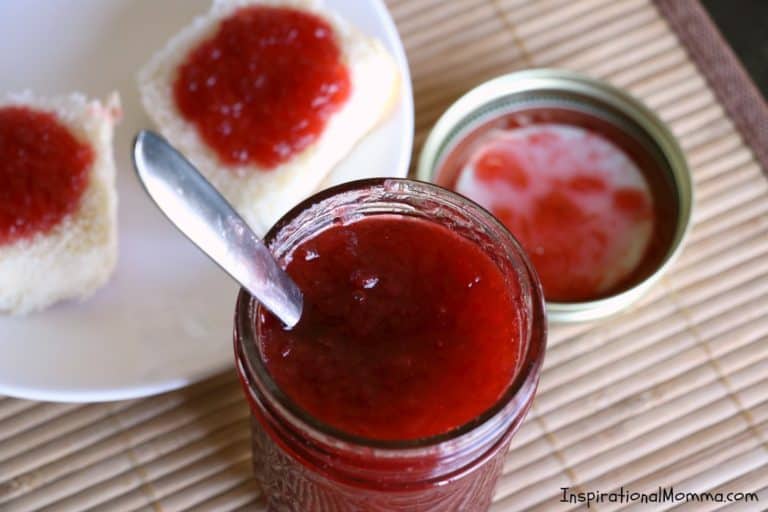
(253,371)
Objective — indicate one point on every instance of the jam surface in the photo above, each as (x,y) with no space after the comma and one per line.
(409,330)
(43,172)
(262,88)
(579,205)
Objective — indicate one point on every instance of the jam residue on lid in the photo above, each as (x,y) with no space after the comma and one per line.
(410,330)
(580,206)
(263,87)
(43,172)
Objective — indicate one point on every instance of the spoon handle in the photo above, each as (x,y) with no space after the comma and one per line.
(200,212)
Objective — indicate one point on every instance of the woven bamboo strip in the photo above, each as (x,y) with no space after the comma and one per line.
(569,52)
(548,18)
(168,473)
(713,446)
(12,406)
(713,188)
(236,498)
(645,387)
(721,477)
(211,481)
(666,437)
(689,455)
(679,74)
(407,10)
(670,92)
(60,425)
(525,10)
(31,417)
(108,459)
(634,78)
(735,421)
(697,272)
(119,487)
(592,341)
(704,158)
(104,439)
(757,477)
(707,248)
(655,396)
(485,24)
(640,35)
(677,110)
(527,474)
(453,76)
(446,64)
(710,170)
(585,18)
(647,45)
(626,346)
(711,210)
(441,17)
(750,211)
(696,121)
(459,17)
(717,128)
(742,355)
(646,419)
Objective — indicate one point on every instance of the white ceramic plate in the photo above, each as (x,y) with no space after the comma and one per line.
(165,318)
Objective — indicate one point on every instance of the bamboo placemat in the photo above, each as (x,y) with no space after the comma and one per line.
(674,393)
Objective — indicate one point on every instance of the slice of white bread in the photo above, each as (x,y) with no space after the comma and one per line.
(78,255)
(262,196)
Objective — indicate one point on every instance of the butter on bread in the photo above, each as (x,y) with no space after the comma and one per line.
(78,255)
(262,196)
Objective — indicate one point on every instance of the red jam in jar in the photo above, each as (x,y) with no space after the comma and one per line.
(263,87)
(573,194)
(405,319)
(415,360)
(43,172)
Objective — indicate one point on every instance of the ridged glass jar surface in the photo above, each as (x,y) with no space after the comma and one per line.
(304,465)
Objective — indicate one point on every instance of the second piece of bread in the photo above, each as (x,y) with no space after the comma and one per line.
(78,255)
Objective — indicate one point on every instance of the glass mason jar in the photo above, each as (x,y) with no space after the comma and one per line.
(304,465)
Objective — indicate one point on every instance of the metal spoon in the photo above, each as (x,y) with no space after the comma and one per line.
(200,212)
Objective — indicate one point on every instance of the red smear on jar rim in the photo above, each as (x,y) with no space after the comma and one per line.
(579,205)
(410,330)
(264,86)
(43,172)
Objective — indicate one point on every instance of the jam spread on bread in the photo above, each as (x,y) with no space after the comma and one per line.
(43,172)
(263,87)
(409,329)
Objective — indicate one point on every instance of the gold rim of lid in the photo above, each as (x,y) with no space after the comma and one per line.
(539,86)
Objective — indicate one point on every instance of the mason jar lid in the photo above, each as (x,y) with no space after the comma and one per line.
(560,89)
